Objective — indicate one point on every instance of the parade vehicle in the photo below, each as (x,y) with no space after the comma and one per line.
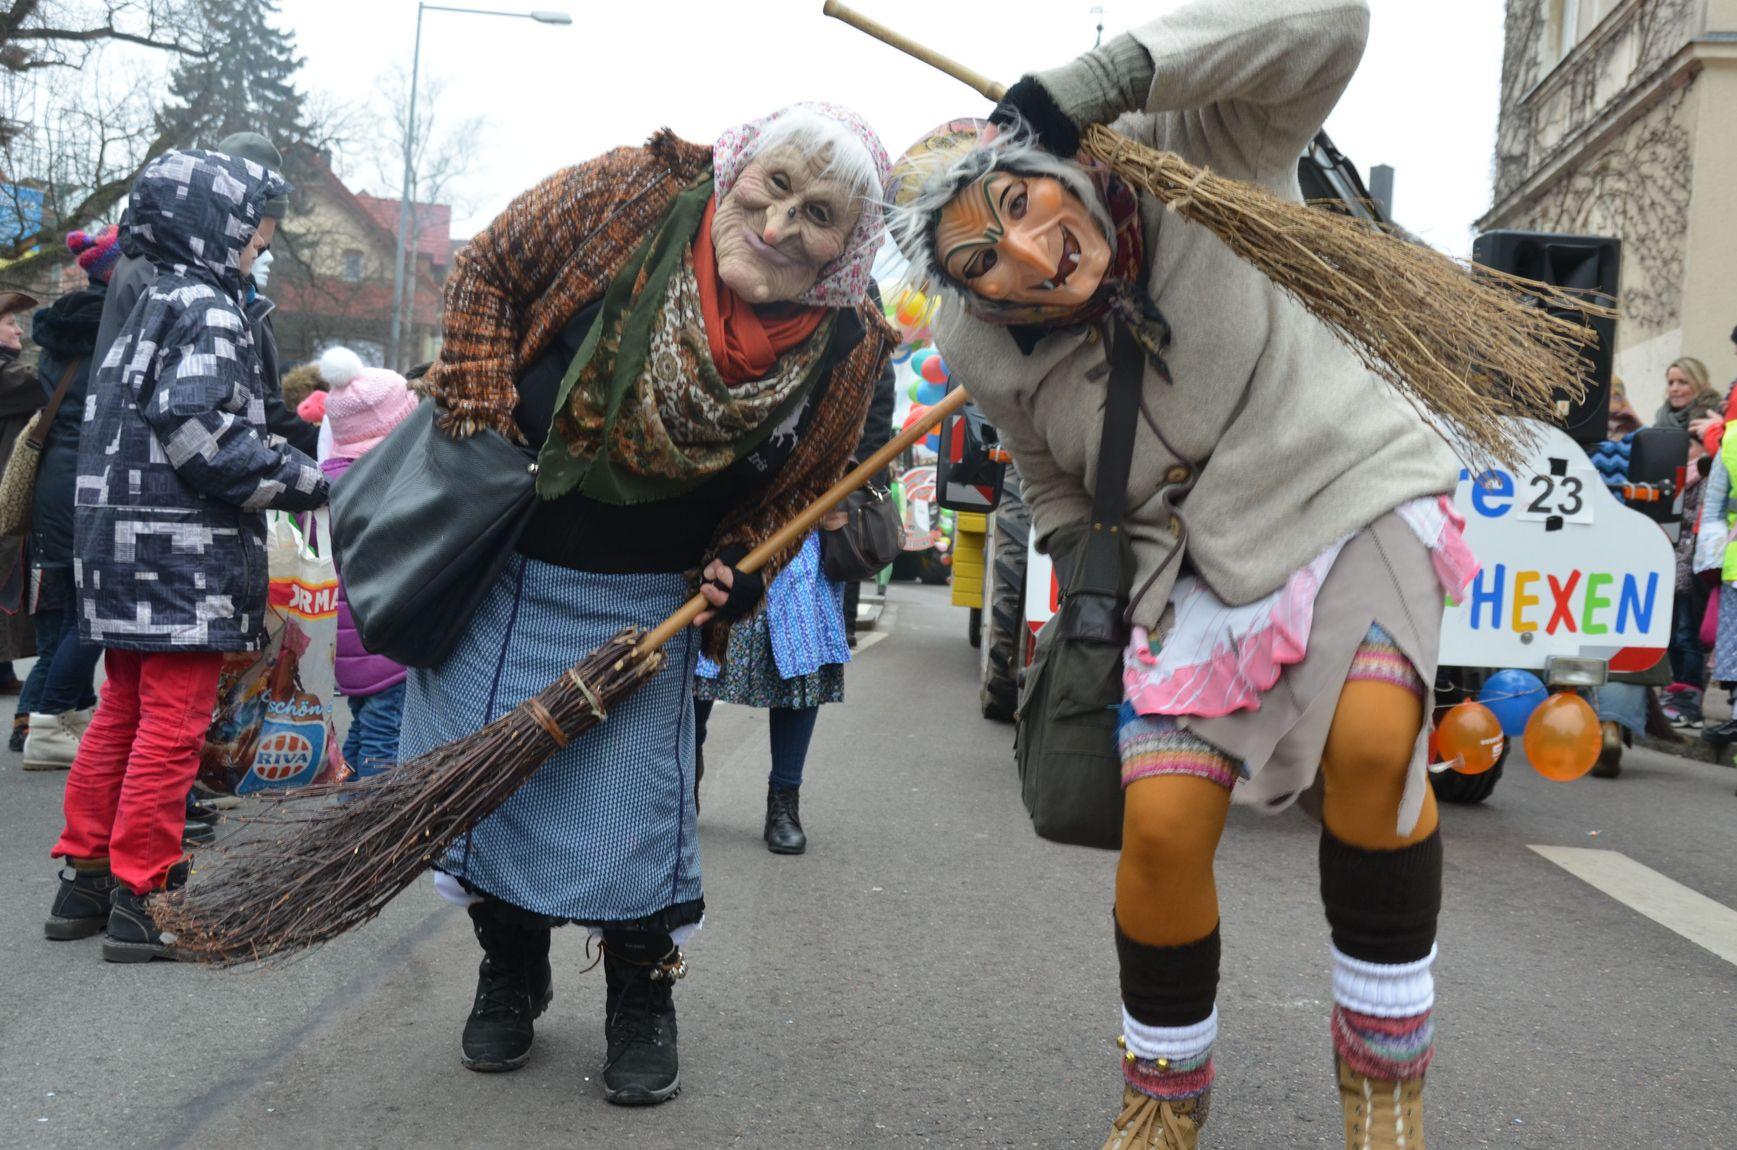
(1577,578)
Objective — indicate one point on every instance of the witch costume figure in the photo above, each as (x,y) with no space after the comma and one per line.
(1287,521)
(684,331)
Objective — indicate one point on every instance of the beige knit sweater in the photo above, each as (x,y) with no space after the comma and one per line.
(1299,444)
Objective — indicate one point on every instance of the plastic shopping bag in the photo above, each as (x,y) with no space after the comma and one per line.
(273,722)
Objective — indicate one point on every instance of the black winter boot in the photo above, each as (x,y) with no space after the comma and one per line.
(641,968)
(132,932)
(81,905)
(784,821)
(513,986)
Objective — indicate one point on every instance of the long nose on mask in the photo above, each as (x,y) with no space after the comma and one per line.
(1029,251)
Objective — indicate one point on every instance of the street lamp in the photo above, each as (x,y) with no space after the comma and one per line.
(398,277)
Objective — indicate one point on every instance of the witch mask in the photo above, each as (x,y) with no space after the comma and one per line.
(1015,238)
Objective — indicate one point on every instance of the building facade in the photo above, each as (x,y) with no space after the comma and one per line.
(332,279)
(1617,119)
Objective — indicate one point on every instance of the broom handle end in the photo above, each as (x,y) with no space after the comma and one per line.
(976,80)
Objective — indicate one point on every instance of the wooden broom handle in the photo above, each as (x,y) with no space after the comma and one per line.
(811,515)
(977,80)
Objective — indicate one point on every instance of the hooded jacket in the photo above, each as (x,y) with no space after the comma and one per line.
(66,331)
(175,466)
(133,277)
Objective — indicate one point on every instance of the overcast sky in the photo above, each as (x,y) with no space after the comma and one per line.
(1424,101)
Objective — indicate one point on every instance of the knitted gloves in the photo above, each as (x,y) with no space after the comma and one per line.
(746,587)
(1094,89)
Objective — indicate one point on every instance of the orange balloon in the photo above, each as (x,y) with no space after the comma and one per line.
(1562,737)
(1470,737)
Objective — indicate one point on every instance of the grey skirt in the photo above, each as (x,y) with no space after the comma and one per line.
(1384,576)
(604,832)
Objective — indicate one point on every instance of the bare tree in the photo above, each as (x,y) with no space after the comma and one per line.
(77,114)
(441,156)
(62,33)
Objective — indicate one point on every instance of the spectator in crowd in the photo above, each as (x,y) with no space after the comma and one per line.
(20,398)
(1682,699)
(1689,395)
(301,382)
(63,680)
(790,660)
(175,472)
(363,407)
(1624,420)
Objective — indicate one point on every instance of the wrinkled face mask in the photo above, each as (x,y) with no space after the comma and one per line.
(780,224)
(1020,239)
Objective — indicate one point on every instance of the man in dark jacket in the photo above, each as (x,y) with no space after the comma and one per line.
(19,400)
(175,472)
(135,274)
(877,430)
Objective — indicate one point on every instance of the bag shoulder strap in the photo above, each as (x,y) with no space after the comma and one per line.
(39,433)
(1102,569)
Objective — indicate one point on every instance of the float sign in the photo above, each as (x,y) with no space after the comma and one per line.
(1566,569)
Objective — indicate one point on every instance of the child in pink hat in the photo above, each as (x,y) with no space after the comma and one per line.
(362,408)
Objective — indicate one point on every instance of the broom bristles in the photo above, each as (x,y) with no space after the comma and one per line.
(318,871)
(1464,342)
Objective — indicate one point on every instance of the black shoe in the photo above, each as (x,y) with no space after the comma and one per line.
(513,986)
(1721,736)
(81,905)
(132,932)
(641,1068)
(198,834)
(198,812)
(19,734)
(783,832)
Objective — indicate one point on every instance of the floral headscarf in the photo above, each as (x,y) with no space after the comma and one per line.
(845,281)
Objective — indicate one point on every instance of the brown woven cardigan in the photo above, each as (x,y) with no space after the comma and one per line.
(552,252)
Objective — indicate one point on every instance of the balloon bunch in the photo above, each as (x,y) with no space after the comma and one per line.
(932,375)
(911,311)
(933,440)
(1560,732)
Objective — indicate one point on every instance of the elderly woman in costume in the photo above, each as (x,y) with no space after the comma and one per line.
(1289,537)
(683,329)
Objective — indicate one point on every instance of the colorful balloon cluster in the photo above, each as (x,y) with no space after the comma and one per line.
(911,312)
(1560,732)
(918,410)
(932,375)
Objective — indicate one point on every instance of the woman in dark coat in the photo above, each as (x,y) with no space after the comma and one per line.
(19,400)
(62,685)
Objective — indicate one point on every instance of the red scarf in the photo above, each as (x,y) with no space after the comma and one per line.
(745,340)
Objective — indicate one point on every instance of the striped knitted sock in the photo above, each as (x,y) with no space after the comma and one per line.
(1379,660)
(1382,1024)
(1169,1062)
(1152,745)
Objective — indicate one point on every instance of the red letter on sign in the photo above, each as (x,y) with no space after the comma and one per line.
(1564,612)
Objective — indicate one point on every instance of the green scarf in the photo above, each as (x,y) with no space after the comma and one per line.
(598,440)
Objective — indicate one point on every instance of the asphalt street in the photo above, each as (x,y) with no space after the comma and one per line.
(929,974)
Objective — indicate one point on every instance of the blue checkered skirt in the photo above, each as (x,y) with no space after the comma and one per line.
(604,832)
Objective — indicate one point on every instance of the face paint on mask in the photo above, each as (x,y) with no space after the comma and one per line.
(780,224)
(1022,239)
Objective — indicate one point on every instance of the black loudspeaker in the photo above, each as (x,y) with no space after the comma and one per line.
(1589,266)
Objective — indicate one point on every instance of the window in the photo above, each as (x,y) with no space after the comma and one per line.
(1568,22)
(352,265)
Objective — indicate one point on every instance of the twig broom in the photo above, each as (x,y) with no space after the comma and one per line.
(1459,341)
(316,869)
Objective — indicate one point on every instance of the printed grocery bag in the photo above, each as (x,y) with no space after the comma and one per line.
(273,722)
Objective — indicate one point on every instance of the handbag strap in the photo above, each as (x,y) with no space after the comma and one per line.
(39,434)
(1101,569)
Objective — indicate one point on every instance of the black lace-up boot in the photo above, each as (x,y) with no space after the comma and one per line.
(641,968)
(81,905)
(784,835)
(513,987)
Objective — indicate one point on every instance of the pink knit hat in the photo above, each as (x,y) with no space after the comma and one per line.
(365,403)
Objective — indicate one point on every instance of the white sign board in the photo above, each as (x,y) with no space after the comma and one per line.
(1566,568)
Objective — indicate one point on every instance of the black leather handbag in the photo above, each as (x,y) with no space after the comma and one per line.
(871,538)
(423,525)
(1070,772)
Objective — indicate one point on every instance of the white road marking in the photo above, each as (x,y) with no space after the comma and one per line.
(864,642)
(1667,902)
